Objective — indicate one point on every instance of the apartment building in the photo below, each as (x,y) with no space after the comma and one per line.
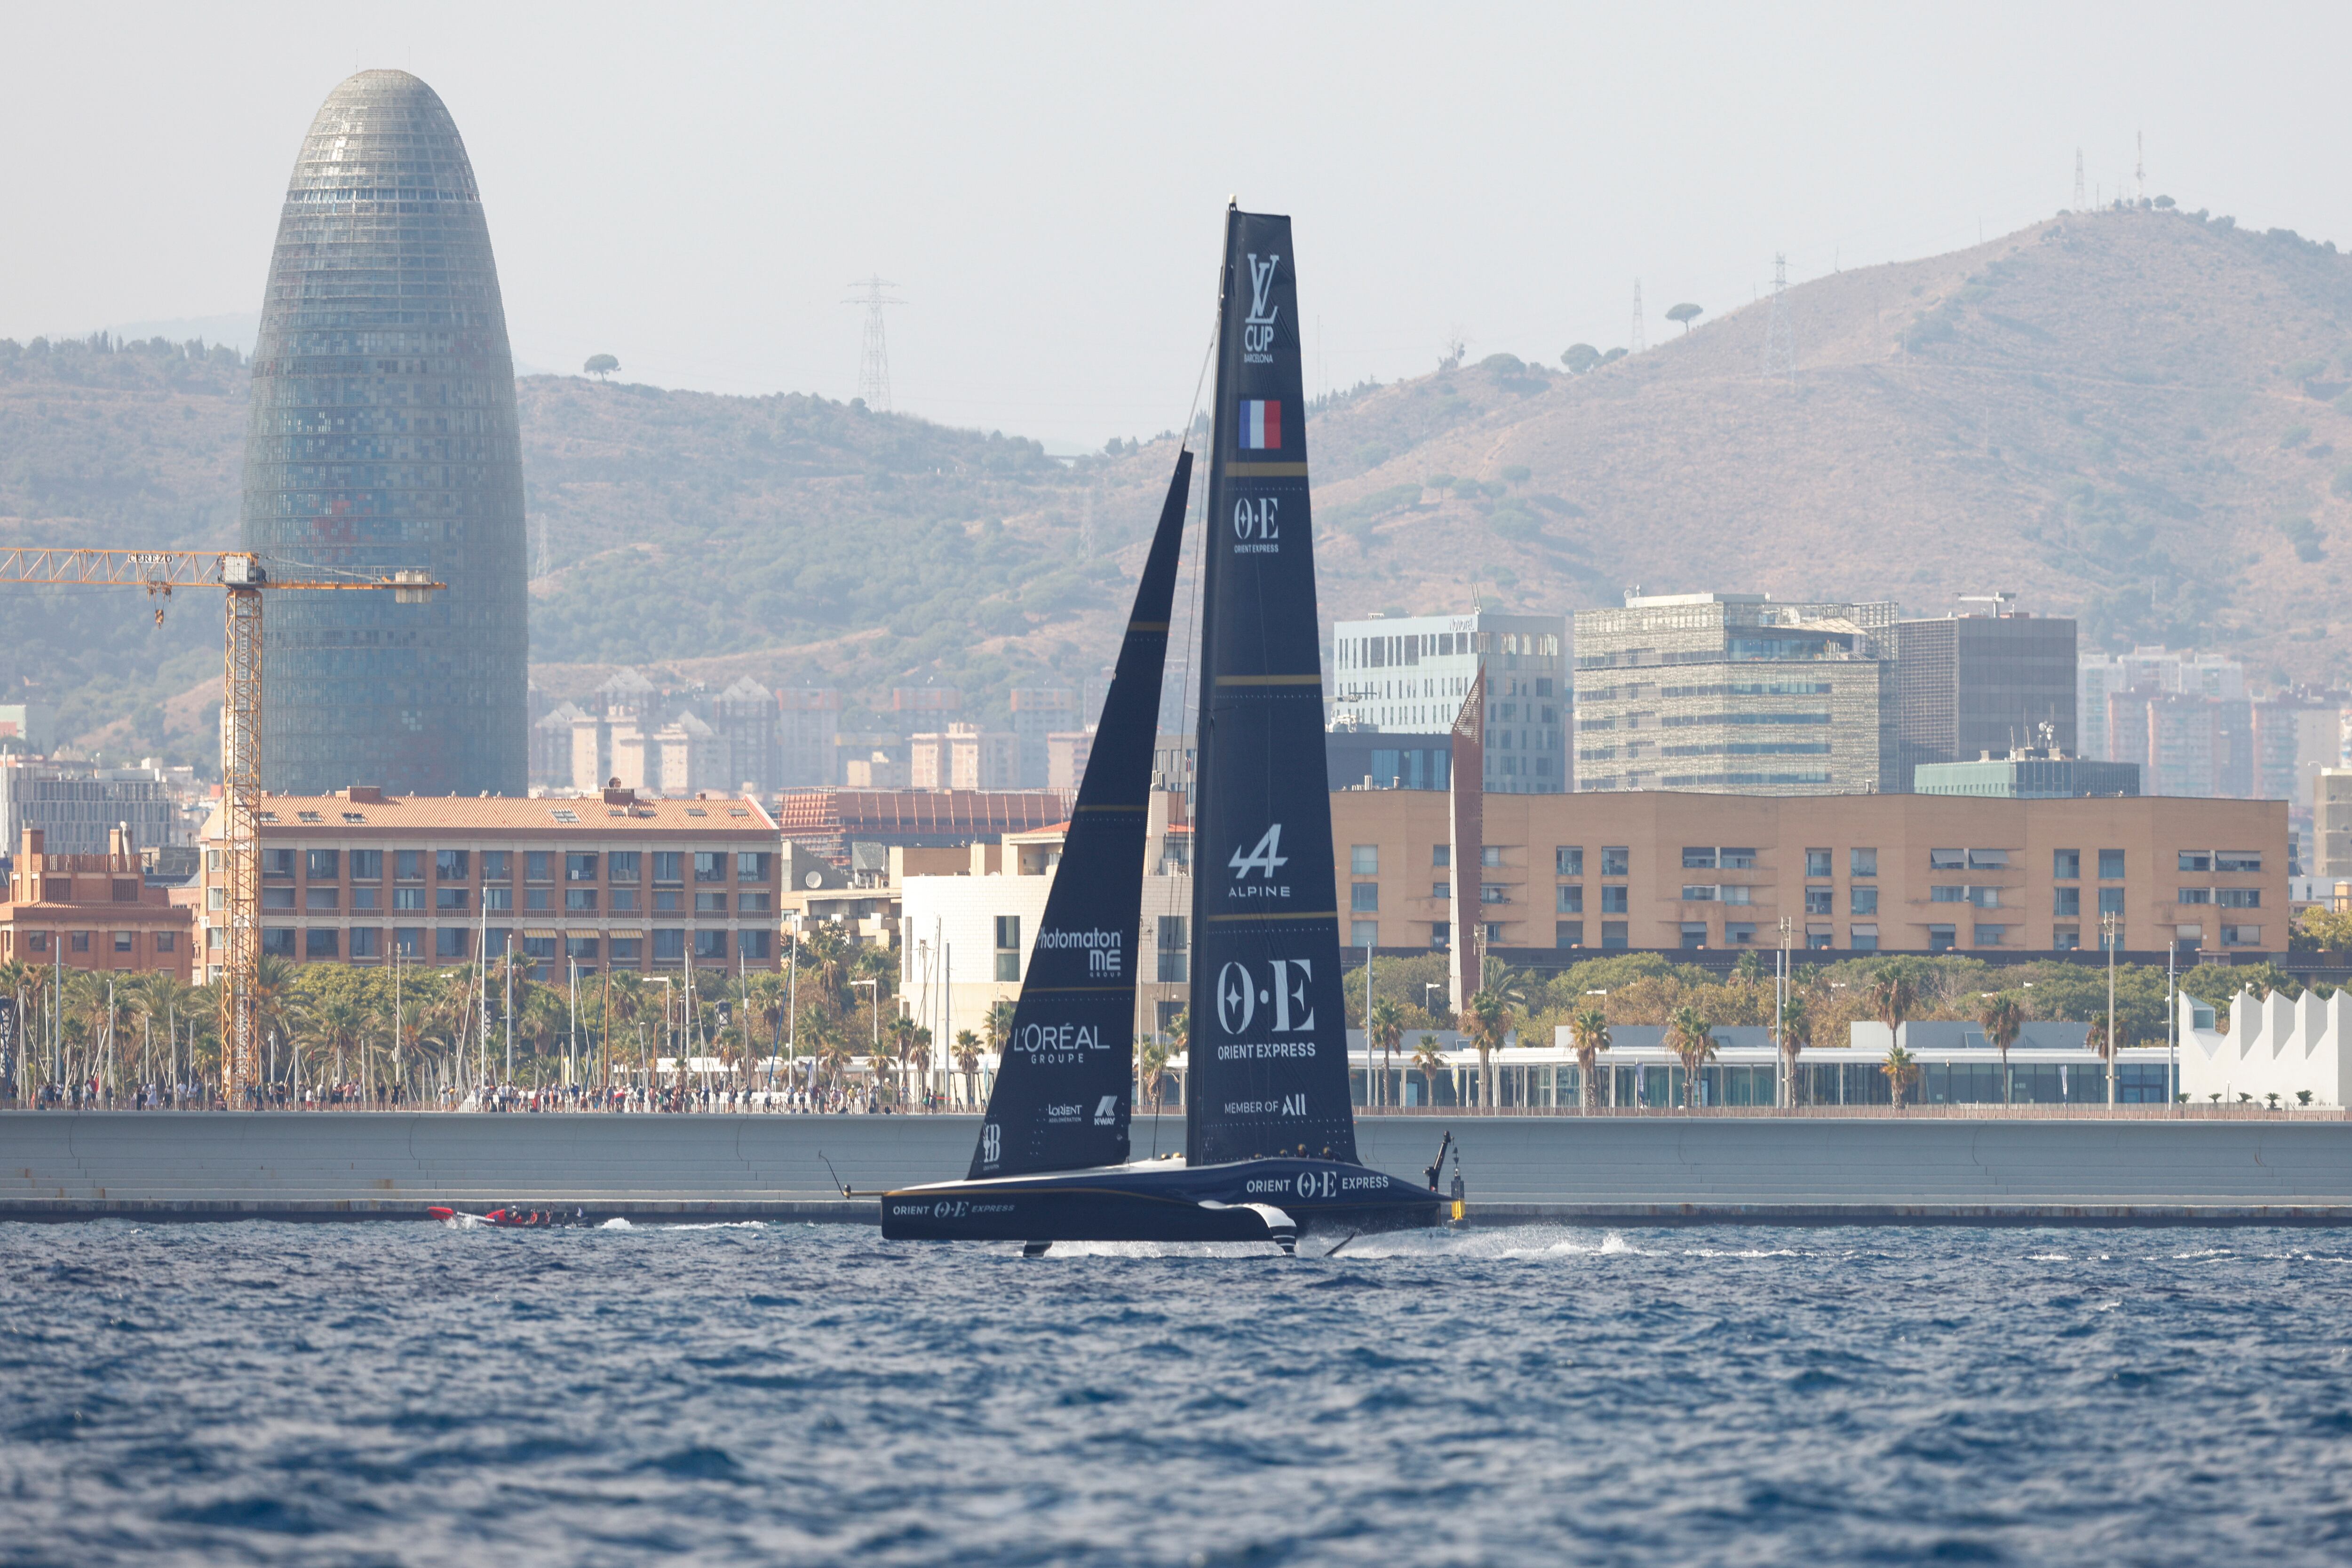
(963,757)
(1924,873)
(92,912)
(612,880)
(1406,676)
(808,736)
(78,806)
(2332,822)
(1732,691)
(1039,713)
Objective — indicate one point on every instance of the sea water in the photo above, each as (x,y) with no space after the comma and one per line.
(382,1394)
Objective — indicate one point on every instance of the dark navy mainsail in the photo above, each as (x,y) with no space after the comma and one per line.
(1268,1032)
(1062,1099)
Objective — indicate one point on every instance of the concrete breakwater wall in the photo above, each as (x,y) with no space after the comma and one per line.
(195,1166)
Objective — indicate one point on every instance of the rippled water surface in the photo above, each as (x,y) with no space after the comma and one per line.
(772,1393)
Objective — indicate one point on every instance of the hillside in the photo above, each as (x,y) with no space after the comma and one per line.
(2125,416)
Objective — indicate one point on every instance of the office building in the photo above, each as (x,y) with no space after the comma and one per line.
(28,726)
(1735,692)
(92,911)
(2331,811)
(1972,685)
(1039,712)
(2027,775)
(1890,872)
(1407,676)
(77,806)
(612,880)
(808,738)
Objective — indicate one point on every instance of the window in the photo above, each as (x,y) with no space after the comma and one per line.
(1008,947)
(1569,899)
(1988,935)
(1739,932)
(277,941)
(541,951)
(1440,856)
(1490,854)
(366,943)
(751,903)
(1364,897)
(498,865)
(2111,901)
(2239,897)
(752,866)
(583,949)
(752,944)
(449,941)
(215,898)
(448,898)
(278,863)
(1733,857)
(1698,893)
(621,865)
(409,941)
(1568,933)
(1817,863)
(2196,895)
(1698,858)
(669,944)
(1568,861)
(1736,892)
(580,867)
(2237,859)
(1441,936)
(277,898)
(367,865)
(710,902)
(2241,936)
(1172,945)
(1985,897)
(408,865)
(408,898)
(625,900)
(1987,860)
(2066,939)
(669,866)
(1947,860)
(538,865)
(498,900)
(1494,933)
(1821,900)
(1694,933)
(1942,938)
(320,866)
(1492,893)
(1363,859)
(449,865)
(1363,933)
(319,898)
(122,941)
(2066,865)
(1863,939)
(2067,901)
(165,940)
(579,901)
(1616,901)
(2111,865)
(666,902)
(710,944)
(709,865)
(1862,862)
(1613,933)
(1947,895)
(321,941)
(1616,861)
(2196,860)
(1863,900)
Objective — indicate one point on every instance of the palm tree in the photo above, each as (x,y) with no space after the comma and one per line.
(1387,1030)
(1588,1033)
(1900,1067)
(1489,1017)
(999,1023)
(2002,1021)
(1429,1060)
(967,1061)
(1151,1054)
(2106,1034)
(1796,1034)
(1892,997)
(1689,1037)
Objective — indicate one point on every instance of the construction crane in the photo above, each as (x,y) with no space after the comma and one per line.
(245,577)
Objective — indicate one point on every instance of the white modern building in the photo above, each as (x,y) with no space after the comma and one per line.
(2276,1051)
(1408,675)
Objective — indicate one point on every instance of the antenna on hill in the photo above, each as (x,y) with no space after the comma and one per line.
(1637,343)
(1779,334)
(874,364)
(2139,164)
(1086,524)
(539,566)
(2082,199)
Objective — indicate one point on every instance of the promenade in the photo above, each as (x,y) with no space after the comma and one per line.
(1598,1170)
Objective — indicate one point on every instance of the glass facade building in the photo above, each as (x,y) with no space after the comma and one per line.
(383,434)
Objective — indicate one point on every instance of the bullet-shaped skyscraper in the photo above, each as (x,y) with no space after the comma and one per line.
(382,435)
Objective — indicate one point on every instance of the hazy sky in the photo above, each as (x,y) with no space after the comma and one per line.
(692,188)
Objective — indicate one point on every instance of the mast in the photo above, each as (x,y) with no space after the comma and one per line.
(1065,1083)
(1269,1037)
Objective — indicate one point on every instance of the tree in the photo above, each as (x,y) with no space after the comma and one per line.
(967,1061)
(1151,1054)
(1686,313)
(1900,1068)
(2107,1032)
(1579,357)
(2002,1021)
(601,365)
(1429,1060)
(1489,1017)
(1689,1037)
(1588,1033)
(1893,997)
(2322,930)
(1796,1034)
(1387,1026)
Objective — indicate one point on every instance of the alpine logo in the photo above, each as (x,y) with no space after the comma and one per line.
(1258,326)
(1107,1114)
(1266,857)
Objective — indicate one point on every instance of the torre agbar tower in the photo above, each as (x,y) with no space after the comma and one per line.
(382,435)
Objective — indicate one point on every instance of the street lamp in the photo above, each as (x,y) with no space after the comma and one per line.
(874,1068)
(669,990)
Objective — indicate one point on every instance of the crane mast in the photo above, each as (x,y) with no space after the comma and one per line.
(244,580)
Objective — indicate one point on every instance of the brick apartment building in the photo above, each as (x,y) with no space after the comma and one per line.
(1854,872)
(92,912)
(608,880)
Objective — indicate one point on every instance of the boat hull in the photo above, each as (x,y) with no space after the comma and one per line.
(1247,1200)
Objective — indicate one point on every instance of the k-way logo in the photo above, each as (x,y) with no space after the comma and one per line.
(1107,1113)
(1258,326)
(1239,997)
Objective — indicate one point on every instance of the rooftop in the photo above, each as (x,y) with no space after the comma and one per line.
(362,808)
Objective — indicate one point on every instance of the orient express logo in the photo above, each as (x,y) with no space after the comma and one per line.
(1258,524)
(1239,997)
(1258,326)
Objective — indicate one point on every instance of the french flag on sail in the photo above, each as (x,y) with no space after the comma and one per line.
(1261,425)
